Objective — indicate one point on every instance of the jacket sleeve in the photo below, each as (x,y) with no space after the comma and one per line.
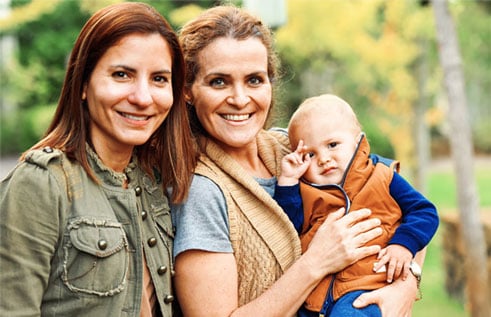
(30,204)
(290,200)
(419,216)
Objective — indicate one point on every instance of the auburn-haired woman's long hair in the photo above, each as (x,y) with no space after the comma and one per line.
(171,149)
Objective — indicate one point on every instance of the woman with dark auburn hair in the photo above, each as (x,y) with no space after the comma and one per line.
(85,226)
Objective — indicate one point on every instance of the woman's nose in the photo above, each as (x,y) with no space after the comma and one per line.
(239,97)
(141,94)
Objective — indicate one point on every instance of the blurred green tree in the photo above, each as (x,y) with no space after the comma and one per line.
(381,56)
(364,51)
(44,32)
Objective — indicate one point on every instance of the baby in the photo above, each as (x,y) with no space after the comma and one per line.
(330,168)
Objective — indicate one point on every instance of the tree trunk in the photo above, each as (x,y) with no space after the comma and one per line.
(421,130)
(462,153)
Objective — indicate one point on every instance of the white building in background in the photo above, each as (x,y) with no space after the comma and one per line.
(7,48)
(8,45)
(273,12)
(7,42)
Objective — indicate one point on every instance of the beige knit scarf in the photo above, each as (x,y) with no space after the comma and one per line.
(264,241)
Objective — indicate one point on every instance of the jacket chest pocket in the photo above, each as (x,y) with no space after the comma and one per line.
(96,257)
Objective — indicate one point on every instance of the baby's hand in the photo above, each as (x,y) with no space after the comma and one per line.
(397,258)
(293,166)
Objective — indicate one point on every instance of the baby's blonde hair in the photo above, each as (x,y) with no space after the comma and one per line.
(323,105)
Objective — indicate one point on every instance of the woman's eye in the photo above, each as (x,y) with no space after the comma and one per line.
(120,74)
(255,81)
(217,82)
(161,79)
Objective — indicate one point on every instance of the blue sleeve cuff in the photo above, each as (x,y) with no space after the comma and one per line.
(408,242)
(288,197)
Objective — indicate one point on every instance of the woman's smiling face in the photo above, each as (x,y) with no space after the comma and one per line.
(232,92)
(129,93)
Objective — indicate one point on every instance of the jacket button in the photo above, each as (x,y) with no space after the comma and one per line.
(162,269)
(144,215)
(172,273)
(152,241)
(138,190)
(102,244)
(168,299)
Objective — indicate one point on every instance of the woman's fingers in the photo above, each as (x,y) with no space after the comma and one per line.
(363,252)
(355,227)
(333,216)
(366,231)
(355,216)
(342,239)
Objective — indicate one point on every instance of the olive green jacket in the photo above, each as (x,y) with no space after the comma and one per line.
(71,247)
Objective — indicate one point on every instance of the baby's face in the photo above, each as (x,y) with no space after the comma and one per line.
(331,145)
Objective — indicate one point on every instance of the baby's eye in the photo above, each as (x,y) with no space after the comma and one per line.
(310,154)
(332,145)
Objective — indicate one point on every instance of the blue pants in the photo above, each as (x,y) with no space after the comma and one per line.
(344,307)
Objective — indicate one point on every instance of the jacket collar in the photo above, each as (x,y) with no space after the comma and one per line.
(106,174)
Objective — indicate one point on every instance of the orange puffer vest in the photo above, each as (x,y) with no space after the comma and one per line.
(367,186)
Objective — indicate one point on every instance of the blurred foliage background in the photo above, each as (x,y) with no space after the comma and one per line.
(378,55)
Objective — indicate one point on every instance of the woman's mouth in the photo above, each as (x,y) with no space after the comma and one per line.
(134,117)
(236,117)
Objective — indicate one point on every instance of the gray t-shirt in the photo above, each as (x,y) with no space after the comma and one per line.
(202,221)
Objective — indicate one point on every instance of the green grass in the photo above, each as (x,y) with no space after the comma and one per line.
(442,189)
(442,192)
